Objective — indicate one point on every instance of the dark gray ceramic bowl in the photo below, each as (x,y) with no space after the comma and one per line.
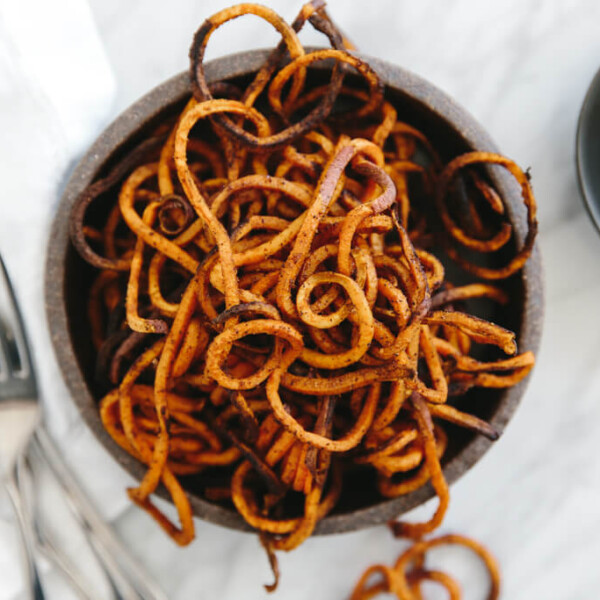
(418,102)
(587,150)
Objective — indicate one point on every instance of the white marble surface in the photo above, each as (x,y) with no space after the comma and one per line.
(522,68)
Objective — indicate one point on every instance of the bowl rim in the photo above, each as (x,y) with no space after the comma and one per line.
(148,107)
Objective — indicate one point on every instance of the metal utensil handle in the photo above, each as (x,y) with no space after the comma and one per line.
(122,566)
(43,540)
(79,583)
(33,583)
(61,562)
(121,587)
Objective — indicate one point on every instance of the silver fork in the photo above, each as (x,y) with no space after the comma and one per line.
(19,415)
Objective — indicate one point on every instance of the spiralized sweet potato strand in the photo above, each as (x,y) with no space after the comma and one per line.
(272,315)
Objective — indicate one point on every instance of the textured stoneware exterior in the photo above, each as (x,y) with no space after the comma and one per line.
(432,104)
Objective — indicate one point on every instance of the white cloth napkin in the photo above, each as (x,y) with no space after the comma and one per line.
(56,91)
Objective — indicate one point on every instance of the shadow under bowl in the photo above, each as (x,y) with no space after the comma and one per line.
(452,131)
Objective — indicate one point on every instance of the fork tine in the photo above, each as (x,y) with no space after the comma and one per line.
(19,367)
(4,366)
(4,350)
